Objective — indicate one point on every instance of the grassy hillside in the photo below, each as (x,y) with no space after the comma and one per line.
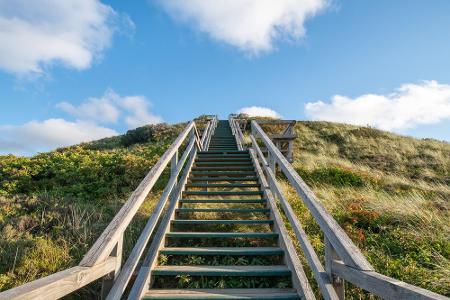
(53,206)
(389,193)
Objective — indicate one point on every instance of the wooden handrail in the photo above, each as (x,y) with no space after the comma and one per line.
(60,284)
(125,274)
(362,275)
(344,246)
(106,242)
(321,277)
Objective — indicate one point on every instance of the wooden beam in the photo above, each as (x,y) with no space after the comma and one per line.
(60,284)
(383,286)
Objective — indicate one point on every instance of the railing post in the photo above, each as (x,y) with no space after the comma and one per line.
(174,163)
(271,161)
(108,280)
(330,256)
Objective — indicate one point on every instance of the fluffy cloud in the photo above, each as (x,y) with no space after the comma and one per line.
(258,111)
(250,25)
(111,107)
(37,136)
(36,33)
(412,104)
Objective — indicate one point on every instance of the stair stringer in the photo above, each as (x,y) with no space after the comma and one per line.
(299,280)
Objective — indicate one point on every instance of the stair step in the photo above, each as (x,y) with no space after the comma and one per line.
(224,159)
(223,210)
(265,235)
(222,173)
(227,168)
(224,185)
(245,251)
(223,193)
(224,163)
(222,294)
(260,271)
(217,152)
(222,201)
(252,178)
(212,222)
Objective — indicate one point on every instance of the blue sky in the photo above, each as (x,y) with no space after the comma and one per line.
(382,63)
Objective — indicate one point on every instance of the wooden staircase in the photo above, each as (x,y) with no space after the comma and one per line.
(217,232)
(223,220)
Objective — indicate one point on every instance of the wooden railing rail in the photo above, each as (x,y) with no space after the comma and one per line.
(236,130)
(103,260)
(343,260)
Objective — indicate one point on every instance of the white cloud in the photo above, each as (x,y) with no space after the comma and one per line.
(109,108)
(258,111)
(250,25)
(138,107)
(34,34)
(37,136)
(412,104)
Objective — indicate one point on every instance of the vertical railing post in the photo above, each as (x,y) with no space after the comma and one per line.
(330,256)
(108,280)
(174,163)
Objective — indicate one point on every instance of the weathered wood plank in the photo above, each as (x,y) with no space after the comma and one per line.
(106,242)
(343,245)
(383,286)
(60,284)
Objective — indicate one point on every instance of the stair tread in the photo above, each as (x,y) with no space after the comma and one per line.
(225,270)
(222,250)
(235,210)
(223,201)
(222,234)
(227,193)
(222,185)
(250,178)
(185,221)
(222,294)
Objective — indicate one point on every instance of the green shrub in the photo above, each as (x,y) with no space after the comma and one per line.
(333,176)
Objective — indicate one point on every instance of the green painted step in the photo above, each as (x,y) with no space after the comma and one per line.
(212,222)
(222,294)
(250,251)
(223,159)
(219,168)
(224,210)
(260,271)
(246,163)
(223,193)
(222,173)
(222,201)
(262,235)
(215,152)
(227,185)
(253,178)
